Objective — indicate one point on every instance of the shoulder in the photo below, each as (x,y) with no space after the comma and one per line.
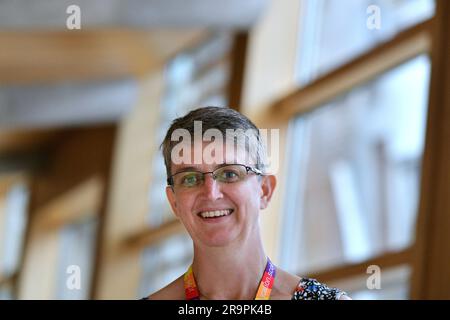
(311,289)
(173,291)
(284,286)
(291,286)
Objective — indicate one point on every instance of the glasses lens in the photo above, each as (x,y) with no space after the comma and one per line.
(230,174)
(188,179)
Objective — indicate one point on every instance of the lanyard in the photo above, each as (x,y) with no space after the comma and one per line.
(264,289)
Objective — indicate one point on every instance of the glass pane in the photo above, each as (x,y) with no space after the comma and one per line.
(355,171)
(164,262)
(332,32)
(393,285)
(13,213)
(76,257)
(6,293)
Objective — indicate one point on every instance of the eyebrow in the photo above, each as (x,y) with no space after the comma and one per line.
(187,169)
(198,170)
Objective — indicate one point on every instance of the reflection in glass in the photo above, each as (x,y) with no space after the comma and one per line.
(393,285)
(355,170)
(333,32)
(14,217)
(76,256)
(6,293)
(164,262)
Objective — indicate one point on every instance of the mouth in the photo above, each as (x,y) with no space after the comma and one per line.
(215,214)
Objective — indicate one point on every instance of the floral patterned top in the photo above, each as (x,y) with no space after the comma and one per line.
(311,289)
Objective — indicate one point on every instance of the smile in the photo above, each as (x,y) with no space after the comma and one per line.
(215,213)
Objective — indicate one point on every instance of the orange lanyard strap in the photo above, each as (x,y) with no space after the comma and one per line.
(190,287)
(264,289)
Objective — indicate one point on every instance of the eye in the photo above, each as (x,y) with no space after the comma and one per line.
(190,179)
(228,175)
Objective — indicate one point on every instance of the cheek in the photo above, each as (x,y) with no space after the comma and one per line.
(248,196)
(184,204)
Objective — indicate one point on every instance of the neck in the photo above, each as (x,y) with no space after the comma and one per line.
(230,272)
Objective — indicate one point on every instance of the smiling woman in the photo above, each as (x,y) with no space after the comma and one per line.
(219,204)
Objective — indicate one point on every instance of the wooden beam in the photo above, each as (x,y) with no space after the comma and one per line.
(235,87)
(10,281)
(54,56)
(9,179)
(13,141)
(386,260)
(271,54)
(40,264)
(80,202)
(21,162)
(7,280)
(151,236)
(431,272)
(406,45)
(127,207)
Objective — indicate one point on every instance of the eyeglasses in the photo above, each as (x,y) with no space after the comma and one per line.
(229,173)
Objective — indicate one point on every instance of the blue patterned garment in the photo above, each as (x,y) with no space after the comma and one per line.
(311,289)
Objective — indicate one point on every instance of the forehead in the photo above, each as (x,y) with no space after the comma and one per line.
(208,155)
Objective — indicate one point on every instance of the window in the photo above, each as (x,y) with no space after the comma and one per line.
(355,172)
(164,262)
(357,126)
(13,221)
(394,285)
(6,292)
(333,32)
(76,254)
(61,244)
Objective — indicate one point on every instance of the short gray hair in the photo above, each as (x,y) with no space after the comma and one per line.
(220,118)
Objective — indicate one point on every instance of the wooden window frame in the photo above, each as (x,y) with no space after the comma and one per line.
(405,46)
(429,256)
(431,264)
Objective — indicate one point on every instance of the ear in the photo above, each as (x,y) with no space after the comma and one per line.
(268,185)
(172,200)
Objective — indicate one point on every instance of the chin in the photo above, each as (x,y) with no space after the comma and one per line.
(218,240)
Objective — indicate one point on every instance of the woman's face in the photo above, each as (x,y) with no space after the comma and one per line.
(238,202)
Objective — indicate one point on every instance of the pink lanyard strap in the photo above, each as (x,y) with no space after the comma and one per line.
(264,289)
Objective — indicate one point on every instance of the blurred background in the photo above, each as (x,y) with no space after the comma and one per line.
(358,89)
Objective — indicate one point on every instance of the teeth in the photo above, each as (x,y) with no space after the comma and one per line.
(216,213)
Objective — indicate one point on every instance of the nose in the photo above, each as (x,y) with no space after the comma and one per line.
(211,188)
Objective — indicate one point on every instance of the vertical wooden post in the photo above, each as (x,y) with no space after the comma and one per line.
(270,74)
(235,86)
(431,269)
(119,267)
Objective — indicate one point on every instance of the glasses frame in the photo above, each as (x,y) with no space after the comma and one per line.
(254,170)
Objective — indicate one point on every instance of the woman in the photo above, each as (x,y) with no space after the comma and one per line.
(218,199)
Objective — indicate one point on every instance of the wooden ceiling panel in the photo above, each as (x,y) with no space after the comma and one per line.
(49,57)
(20,141)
